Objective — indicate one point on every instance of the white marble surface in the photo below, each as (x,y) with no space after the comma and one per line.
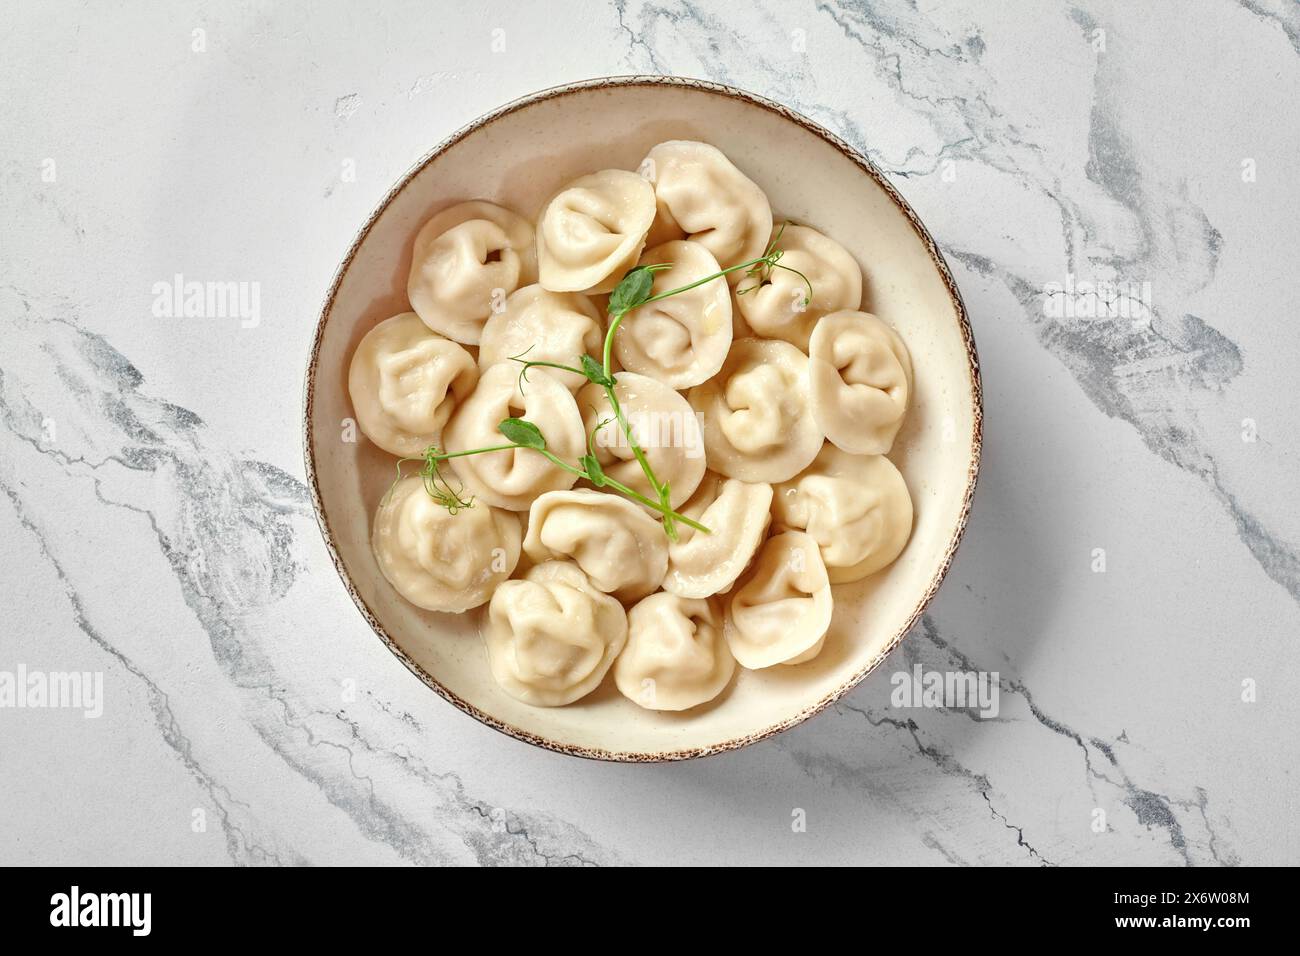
(155,527)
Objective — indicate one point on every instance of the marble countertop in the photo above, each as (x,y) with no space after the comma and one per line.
(1132,568)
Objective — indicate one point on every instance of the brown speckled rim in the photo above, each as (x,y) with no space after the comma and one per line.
(936,257)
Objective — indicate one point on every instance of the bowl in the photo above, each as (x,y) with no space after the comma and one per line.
(517,156)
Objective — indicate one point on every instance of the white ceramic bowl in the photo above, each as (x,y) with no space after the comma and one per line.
(517,156)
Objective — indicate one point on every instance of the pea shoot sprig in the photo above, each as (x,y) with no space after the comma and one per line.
(524,434)
(760,269)
(436,484)
(635,290)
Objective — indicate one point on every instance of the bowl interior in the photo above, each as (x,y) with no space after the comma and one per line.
(517,157)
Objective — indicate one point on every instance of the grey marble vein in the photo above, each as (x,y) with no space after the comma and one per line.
(229,536)
(1285,13)
(156,526)
(1164,237)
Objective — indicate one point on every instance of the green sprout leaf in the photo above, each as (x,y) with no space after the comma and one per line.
(595,372)
(595,474)
(523,433)
(632,291)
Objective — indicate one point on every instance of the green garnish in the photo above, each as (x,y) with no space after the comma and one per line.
(596,373)
(760,270)
(523,433)
(633,291)
(595,473)
(437,486)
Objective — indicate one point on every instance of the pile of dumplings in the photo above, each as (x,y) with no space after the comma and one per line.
(775,409)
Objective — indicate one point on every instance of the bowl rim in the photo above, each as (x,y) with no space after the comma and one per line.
(936,257)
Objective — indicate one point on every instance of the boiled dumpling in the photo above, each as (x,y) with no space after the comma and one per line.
(466,260)
(551,636)
(513,478)
(662,422)
(676,656)
(681,340)
(664,228)
(737,515)
(405,382)
(537,325)
(757,425)
(622,550)
(591,232)
(711,201)
(780,611)
(856,507)
(775,308)
(860,379)
(739,327)
(438,560)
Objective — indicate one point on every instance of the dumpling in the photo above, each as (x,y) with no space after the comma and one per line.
(621,549)
(757,425)
(663,424)
(781,610)
(543,326)
(404,382)
(514,477)
(676,656)
(775,309)
(438,560)
(551,636)
(681,340)
(739,327)
(860,380)
(465,260)
(664,228)
(712,201)
(737,513)
(591,232)
(856,507)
